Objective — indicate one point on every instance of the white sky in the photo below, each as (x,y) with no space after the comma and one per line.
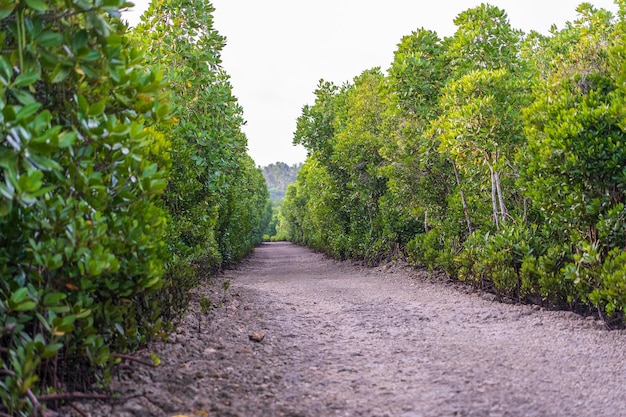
(278,50)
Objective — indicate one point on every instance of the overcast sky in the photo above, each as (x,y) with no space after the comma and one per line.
(278,50)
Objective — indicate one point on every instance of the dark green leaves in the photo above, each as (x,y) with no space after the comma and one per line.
(77,227)
(38,5)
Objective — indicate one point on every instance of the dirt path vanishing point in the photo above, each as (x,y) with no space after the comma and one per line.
(341,340)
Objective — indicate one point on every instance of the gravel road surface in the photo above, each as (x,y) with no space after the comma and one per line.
(298,334)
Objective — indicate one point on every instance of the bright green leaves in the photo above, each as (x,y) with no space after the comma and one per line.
(25,79)
(484,40)
(314,129)
(418,72)
(573,165)
(38,5)
(21,301)
(480,128)
(214,195)
(336,207)
(6,73)
(80,184)
(6,8)
(497,157)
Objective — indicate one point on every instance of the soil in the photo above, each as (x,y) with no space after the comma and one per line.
(298,334)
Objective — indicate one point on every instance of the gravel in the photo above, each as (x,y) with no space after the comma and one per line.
(298,334)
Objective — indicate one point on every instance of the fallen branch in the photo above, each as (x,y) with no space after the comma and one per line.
(73,396)
(133,359)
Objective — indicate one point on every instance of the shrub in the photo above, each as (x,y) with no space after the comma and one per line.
(80,182)
(495,260)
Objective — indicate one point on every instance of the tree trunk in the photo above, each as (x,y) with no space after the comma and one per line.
(503,212)
(494,198)
(463,201)
(426,228)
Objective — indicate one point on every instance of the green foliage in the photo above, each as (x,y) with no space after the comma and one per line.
(573,165)
(336,206)
(435,249)
(216,197)
(494,156)
(243,217)
(278,177)
(497,259)
(314,128)
(419,177)
(80,179)
(121,183)
(484,40)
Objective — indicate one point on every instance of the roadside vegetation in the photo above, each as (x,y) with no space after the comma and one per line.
(494,155)
(124,182)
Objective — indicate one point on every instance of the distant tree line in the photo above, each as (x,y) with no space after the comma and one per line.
(278,176)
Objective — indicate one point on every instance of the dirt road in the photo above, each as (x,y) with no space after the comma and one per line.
(341,340)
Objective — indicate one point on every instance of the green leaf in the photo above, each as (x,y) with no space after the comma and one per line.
(51,299)
(43,163)
(66,139)
(83,313)
(5,207)
(6,8)
(50,350)
(25,306)
(59,74)
(83,105)
(59,309)
(7,191)
(23,96)
(38,5)
(96,109)
(163,111)
(27,111)
(42,191)
(19,295)
(25,79)
(31,181)
(6,73)
(50,39)
(43,321)
(80,40)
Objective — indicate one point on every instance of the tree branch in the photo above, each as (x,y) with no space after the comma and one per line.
(36,404)
(73,396)
(133,359)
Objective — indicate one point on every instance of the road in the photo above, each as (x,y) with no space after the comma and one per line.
(338,339)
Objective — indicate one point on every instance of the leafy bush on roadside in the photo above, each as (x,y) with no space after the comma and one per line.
(216,198)
(81,226)
(117,192)
(500,161)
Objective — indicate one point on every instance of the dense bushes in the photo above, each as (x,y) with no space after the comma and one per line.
(121,183)
(493,155)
